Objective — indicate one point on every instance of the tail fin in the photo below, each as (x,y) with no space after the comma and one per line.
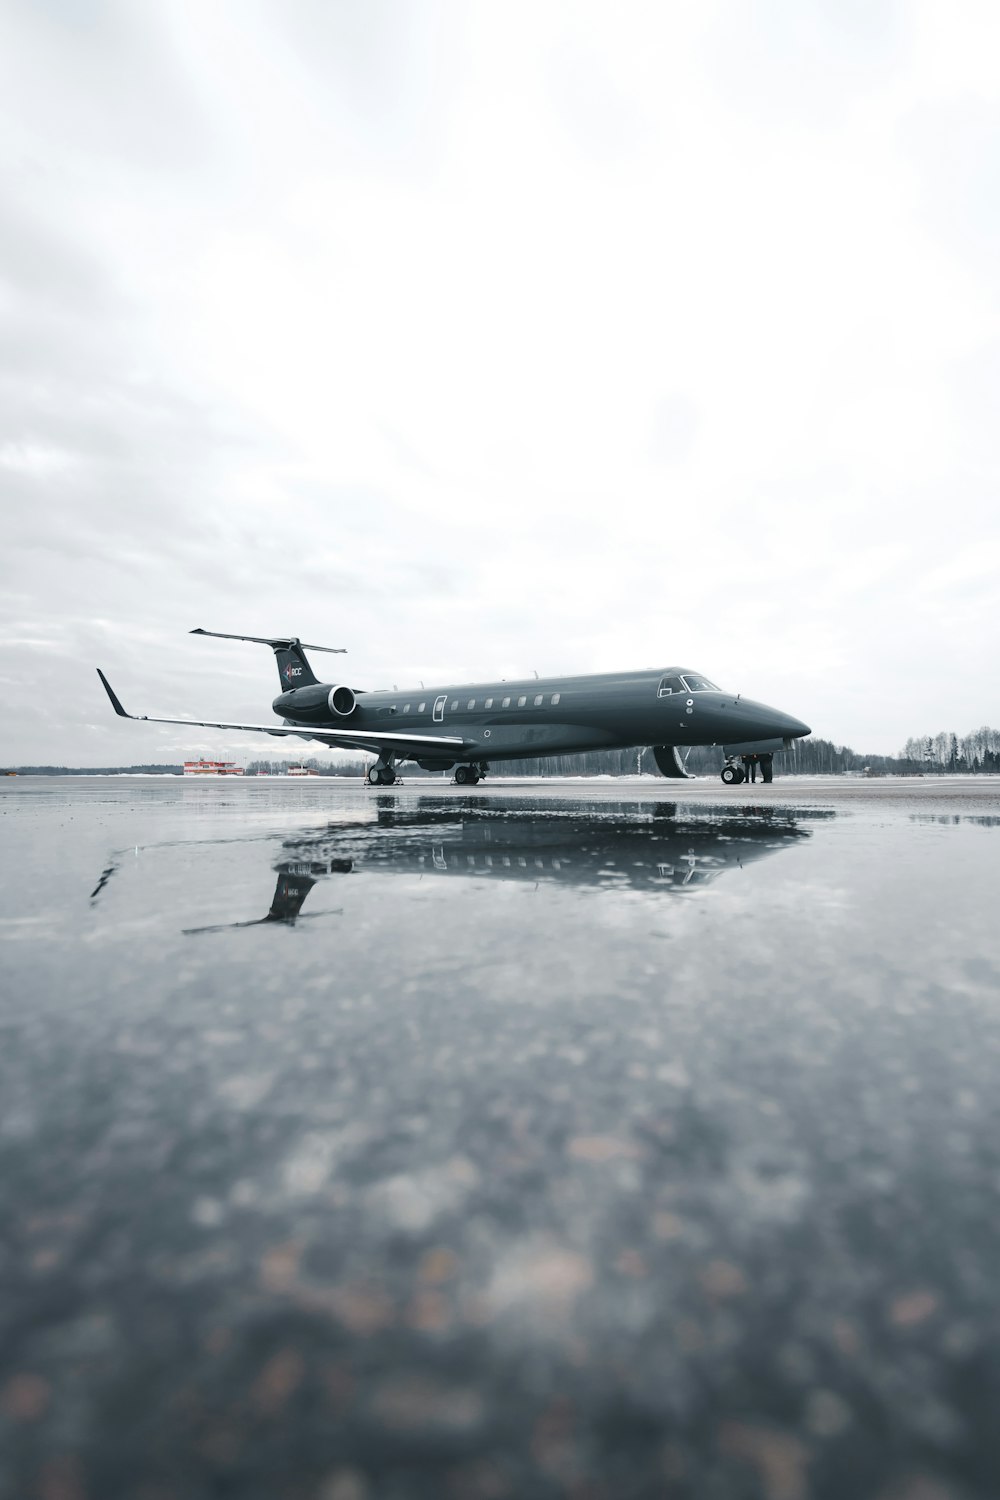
(293,669)
(289,653)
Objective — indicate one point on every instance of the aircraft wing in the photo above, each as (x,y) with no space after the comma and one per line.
(338,739)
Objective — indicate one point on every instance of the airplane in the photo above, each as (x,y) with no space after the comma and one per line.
(469,727)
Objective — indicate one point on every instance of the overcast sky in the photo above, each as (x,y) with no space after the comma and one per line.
(490,338)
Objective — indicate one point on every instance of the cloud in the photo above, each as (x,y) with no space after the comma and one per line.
(803,64)
(486,339)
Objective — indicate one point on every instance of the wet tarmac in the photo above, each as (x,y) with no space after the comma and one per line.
(613,1139)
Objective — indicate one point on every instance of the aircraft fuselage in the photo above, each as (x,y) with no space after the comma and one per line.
(518,719)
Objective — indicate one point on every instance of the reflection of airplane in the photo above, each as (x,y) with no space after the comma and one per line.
(471,726)
(572,846)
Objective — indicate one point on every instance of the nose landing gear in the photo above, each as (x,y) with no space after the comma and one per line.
(763,761)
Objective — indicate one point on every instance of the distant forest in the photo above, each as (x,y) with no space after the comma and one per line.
(978,751)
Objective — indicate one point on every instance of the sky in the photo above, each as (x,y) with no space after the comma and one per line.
(489,339)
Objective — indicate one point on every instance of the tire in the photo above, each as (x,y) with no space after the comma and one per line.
(462,775)
(374,776)
(732,775)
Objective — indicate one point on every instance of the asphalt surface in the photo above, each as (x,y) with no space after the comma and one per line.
(614,1139)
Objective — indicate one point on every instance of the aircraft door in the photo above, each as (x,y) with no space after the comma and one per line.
(439,704)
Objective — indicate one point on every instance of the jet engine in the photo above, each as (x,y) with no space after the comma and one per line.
(341,701)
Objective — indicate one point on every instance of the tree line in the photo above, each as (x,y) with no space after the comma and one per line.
(979,750)
(973,753)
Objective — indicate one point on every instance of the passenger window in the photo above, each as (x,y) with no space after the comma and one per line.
(538,701)
(521,702)
(472,703)
(421,708)
(454,705)
(555,699)
(407,707)
(505,703)
(488,703)
(670,685)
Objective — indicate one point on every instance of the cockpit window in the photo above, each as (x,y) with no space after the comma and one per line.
(669,685)
(696,684)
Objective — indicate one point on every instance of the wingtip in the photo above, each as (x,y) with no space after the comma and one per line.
(115,702)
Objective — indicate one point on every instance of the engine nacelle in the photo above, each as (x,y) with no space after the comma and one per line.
(342,701)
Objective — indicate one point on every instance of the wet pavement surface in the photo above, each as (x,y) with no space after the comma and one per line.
(591,1140)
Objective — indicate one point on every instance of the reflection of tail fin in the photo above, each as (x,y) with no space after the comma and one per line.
(286,906)
(289,894)
(293,668)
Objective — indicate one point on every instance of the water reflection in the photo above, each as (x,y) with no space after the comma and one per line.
(623,846)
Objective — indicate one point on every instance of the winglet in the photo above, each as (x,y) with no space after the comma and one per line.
(115,704)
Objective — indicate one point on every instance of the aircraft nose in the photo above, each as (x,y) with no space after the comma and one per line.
(760,720)
(793,729)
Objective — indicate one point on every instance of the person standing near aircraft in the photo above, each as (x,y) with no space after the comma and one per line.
(749,767)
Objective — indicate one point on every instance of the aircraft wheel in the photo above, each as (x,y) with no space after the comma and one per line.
(388,776)
(374,776)
(463,775)
(732,775)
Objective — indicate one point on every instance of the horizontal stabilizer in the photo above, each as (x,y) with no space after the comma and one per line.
(276,642)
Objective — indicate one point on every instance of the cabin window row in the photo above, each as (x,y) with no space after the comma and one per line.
(488,703)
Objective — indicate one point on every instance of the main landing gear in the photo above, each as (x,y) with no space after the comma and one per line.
(380,774)
(732,774)
(468,775)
